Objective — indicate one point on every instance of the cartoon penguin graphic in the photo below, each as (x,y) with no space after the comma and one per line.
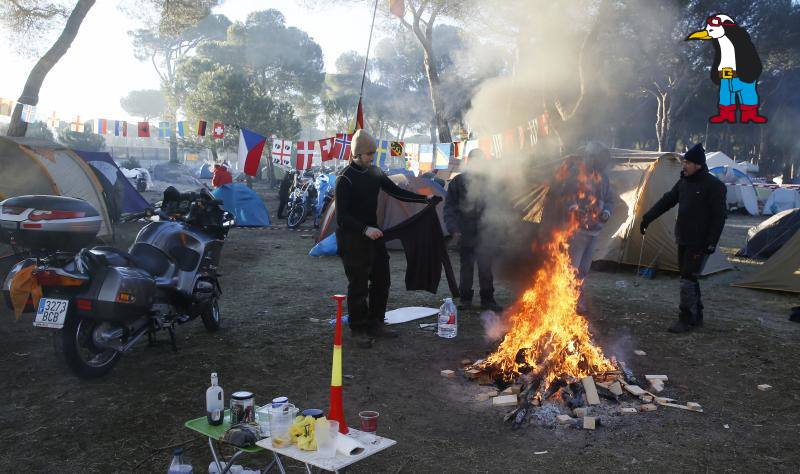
(736,69)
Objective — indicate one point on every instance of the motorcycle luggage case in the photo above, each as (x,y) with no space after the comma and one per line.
(119,294)
(48,222)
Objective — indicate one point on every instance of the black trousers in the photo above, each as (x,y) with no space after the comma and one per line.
(469,255)
(691,260)
(366,264)
(282,206)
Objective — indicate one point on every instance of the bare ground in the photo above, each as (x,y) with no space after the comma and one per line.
(129,420)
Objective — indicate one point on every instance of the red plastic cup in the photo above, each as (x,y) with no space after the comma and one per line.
(369,424)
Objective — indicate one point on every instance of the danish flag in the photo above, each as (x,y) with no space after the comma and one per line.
(305,154)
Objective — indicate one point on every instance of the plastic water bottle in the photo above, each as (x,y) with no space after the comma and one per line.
(448,319)
(179,465)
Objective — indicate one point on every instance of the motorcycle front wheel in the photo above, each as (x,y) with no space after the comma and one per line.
(75,343)
(297,214)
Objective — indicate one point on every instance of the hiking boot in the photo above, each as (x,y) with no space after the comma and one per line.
(491,305)
(382,332)
(680,327)
(465,305)
(361,338)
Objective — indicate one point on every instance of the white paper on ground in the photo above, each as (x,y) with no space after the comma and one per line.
(404,315)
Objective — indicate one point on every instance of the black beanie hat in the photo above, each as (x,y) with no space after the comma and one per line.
(696,154)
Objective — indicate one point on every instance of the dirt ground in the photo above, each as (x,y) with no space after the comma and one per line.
(130,420)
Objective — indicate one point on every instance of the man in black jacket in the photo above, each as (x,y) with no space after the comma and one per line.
(463,211)
(701,216)
(360,241)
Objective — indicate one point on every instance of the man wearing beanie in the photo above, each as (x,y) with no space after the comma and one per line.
(360,241)
(701,216)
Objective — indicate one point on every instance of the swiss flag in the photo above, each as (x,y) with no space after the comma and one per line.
(305,155)
(341,146)
(144,129)
(219,130)
(325,148)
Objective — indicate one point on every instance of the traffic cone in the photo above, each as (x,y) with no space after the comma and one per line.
(336,408)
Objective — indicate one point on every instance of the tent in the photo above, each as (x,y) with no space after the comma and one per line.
(392,211)
(781,199)
(244,203)
(766,238)
(206,171)
(781,272)
(639,186)
(31,166)
(115,184)
(741,193)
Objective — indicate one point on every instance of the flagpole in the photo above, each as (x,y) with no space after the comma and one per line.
(366,57)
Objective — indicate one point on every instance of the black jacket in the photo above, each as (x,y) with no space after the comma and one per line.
(701,209)
(426,253)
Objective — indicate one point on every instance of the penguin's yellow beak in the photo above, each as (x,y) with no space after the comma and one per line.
(699,35)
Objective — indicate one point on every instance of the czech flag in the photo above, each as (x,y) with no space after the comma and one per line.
(251,145)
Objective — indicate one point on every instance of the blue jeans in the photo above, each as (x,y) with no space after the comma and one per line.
(729,89)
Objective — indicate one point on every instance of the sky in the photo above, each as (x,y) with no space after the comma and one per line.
(99,69)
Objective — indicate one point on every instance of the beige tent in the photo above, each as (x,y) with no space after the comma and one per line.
(781,272)
(29,166)
(638,186)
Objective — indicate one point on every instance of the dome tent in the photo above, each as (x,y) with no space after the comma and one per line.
(246,206)
(31,166)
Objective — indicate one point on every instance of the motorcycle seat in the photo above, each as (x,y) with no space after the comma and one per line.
(111,256)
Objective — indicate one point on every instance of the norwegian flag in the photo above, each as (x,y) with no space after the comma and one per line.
(325,148)
(305,154)
(281,152)
(341,146)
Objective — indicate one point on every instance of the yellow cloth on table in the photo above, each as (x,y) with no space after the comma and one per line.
(302,433)
(24,284)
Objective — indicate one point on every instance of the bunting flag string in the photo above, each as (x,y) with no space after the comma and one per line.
(307,153)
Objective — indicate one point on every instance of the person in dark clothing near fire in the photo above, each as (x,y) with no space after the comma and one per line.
(463,211)
(701,216)
(283,193)
(360,241)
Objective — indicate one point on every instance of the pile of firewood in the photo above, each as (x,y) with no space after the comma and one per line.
(580,399)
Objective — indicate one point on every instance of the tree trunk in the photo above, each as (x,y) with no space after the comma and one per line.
(30,93)
(436,100)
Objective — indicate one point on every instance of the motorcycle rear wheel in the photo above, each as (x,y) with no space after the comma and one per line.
(212,317)
(297,214)
(74,343)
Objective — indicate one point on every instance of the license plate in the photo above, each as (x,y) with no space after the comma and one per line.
(51,313)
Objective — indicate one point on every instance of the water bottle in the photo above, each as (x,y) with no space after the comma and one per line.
(215,404)
(179,465)
(448,319)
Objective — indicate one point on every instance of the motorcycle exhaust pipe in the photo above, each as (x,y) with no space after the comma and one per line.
(111,338)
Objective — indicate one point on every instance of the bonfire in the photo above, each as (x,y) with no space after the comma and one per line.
(548,353)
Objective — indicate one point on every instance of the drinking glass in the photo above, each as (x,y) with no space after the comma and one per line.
(369,425)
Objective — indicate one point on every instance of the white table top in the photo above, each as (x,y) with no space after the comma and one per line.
(336,463)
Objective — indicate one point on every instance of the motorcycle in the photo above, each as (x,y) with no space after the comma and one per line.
(302,200)
(101,301)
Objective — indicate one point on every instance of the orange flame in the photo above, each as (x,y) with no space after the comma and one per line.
(547,336)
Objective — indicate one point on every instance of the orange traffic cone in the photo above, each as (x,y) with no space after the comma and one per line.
(336,408)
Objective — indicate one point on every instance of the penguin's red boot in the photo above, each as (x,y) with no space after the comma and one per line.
(727,113)
(750,114)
